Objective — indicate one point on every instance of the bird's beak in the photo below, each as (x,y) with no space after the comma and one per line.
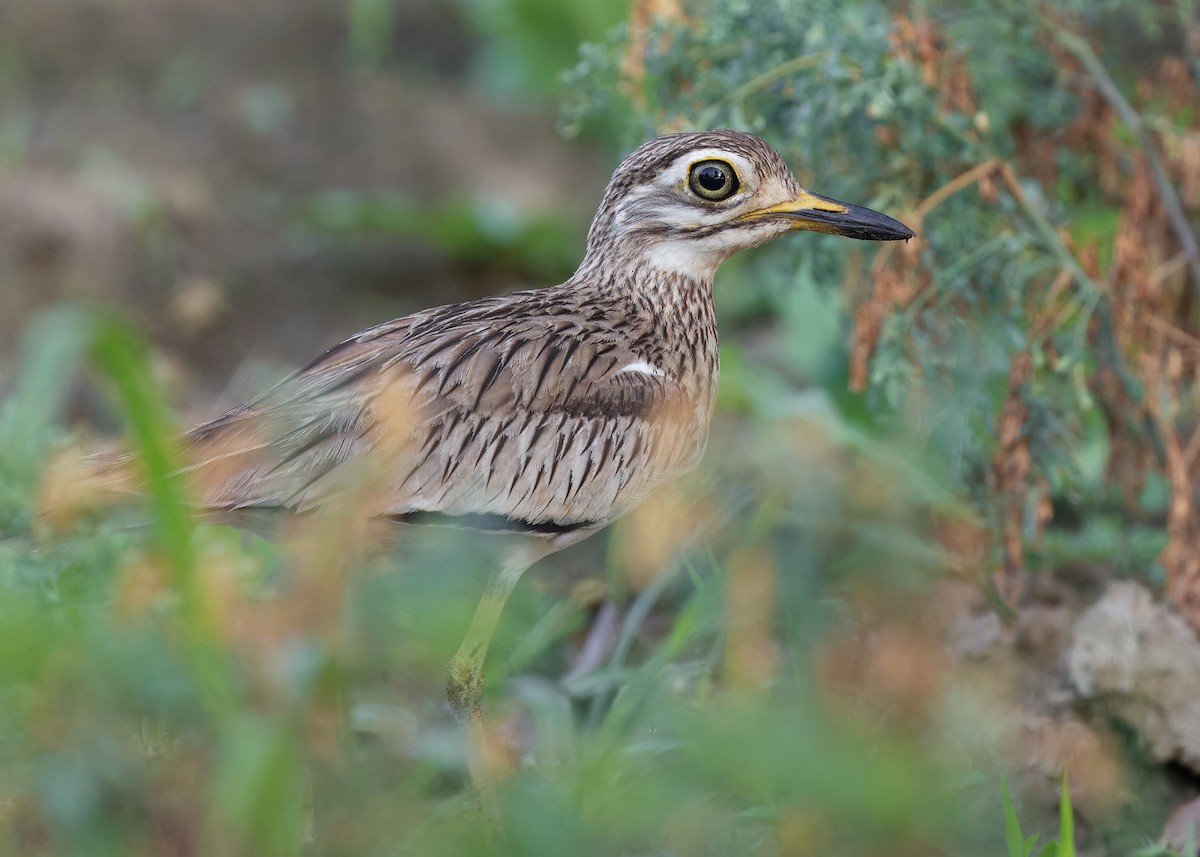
(817,213)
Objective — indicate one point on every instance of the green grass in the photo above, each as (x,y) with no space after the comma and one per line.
(167,681)
(170,685)
(1019,846)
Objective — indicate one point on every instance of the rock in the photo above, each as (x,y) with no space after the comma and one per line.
(1182,831)
(1140,660)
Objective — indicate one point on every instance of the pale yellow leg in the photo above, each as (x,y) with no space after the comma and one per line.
(464,675)
(464,679)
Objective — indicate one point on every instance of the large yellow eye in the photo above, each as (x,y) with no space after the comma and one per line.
(713,180)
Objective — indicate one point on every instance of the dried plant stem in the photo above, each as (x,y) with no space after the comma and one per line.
(953,186)
(1166,191)
(1192,450)
(1181,337)
(1168,268)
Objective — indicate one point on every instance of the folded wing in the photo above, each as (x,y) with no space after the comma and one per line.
(516,412)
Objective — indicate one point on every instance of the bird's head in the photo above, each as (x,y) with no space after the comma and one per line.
(686,202)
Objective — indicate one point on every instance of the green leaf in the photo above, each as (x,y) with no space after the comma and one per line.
(1066,822)
(1014,839)
(122,355)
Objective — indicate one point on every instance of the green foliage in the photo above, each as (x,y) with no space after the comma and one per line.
(527,44)
(820,81)
(862,120)
(148,694)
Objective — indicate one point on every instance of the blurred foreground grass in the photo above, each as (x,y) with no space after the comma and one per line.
(174,687)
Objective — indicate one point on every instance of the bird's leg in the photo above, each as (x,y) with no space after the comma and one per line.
(464,685)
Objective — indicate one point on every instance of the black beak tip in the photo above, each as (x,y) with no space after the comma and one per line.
(880,227)
(894,231)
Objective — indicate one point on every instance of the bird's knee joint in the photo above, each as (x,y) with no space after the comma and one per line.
(464,686)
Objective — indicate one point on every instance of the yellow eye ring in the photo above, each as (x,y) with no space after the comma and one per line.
(713,180)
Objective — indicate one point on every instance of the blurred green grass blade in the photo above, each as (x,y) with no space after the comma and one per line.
(1063,846)
(1018,845)
(121,354)
(558,622)
(1013,838)
(638,612)
(51,351)
(1066,821)
(260,787)
(643,683)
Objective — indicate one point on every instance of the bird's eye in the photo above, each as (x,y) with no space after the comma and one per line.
(713,180)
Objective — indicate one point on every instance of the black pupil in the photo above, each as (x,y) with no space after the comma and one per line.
(711,178)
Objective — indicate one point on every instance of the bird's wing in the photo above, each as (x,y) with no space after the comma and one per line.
(512,413)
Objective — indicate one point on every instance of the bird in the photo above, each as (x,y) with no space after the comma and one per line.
(540,415)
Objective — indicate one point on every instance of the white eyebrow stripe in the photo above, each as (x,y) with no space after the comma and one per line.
(644,368)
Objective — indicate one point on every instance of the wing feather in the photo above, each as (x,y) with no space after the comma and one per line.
(496,408)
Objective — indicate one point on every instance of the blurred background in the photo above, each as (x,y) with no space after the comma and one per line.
(935,589)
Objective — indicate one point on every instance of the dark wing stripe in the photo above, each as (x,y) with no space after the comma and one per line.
(454,365)
(548,362)
(490,523)
(497,368)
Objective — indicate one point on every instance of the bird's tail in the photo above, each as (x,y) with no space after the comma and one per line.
(75,484)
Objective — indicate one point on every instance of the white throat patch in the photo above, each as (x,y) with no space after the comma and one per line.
(683,257)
